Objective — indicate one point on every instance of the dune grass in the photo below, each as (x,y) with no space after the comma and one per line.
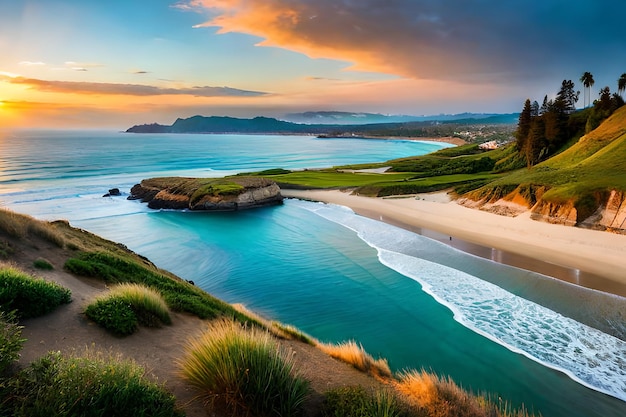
(144,300)
(29,296)
(126,306)
(244,370)
(21,226)
(354,354)
(430,395)
(92,384)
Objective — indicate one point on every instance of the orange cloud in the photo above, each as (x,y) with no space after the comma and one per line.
(486,42)
(126,89)
(373,37)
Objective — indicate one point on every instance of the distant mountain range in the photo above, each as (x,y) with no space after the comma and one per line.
(220,124)
(358,118)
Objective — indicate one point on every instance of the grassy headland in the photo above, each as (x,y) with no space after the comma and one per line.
(118,385)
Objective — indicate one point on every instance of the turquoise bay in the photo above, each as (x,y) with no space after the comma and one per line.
(320,268)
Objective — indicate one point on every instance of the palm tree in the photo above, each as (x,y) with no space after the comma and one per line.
(587,80)
(621,83)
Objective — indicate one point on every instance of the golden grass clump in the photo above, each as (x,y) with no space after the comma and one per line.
(244,370)
(122,309)
(20,225)
(436,396)
(13,224)
(356,356)
(142,299)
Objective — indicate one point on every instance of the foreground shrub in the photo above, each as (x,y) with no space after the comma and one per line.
(244,370)
(11,341)
(41,263)
(91,385)
(355,401)
(356,356)
(31,297)
(114,314)
(127,305)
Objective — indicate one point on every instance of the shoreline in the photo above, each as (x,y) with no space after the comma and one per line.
(587,258)
(445,139)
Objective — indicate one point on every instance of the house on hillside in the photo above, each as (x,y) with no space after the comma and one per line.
(492,144)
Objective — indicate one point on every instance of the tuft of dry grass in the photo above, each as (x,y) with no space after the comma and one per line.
(245,370)
(12,223)
(143,299)
(435,396)
(356,356)
(20,226)
(439,396)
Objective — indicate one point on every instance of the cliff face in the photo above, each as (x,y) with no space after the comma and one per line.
(600,211)
(179,194)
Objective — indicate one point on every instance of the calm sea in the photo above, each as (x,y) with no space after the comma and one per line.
(335,275)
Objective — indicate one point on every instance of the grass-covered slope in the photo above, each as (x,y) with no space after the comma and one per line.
(573,184)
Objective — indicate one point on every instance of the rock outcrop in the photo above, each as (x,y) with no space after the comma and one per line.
(237,193)
(598,211)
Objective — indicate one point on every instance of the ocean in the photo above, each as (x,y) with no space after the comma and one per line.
(335,275)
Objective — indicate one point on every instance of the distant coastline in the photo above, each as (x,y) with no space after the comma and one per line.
(450,131)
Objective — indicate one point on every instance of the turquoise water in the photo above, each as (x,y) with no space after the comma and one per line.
(333,274)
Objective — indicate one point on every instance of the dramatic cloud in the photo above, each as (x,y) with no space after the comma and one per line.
(486,41)
(127,89)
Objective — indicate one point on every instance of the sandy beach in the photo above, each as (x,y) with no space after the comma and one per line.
(594,259)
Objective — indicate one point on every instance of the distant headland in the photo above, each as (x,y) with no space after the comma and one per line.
(462,126)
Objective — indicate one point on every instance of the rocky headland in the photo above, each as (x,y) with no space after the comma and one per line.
(598,211)
(207,194)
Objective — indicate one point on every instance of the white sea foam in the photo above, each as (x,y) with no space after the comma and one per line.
(589,356)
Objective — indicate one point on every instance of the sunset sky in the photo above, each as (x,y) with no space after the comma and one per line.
(115,63)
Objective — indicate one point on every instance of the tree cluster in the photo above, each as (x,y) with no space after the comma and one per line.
(542,130)
(603,107)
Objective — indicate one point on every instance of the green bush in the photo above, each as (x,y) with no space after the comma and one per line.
(245,370)
(114,314)
(127,305)
(41,263)
(93,385)
(11,341)
(356,401)
(31,297)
